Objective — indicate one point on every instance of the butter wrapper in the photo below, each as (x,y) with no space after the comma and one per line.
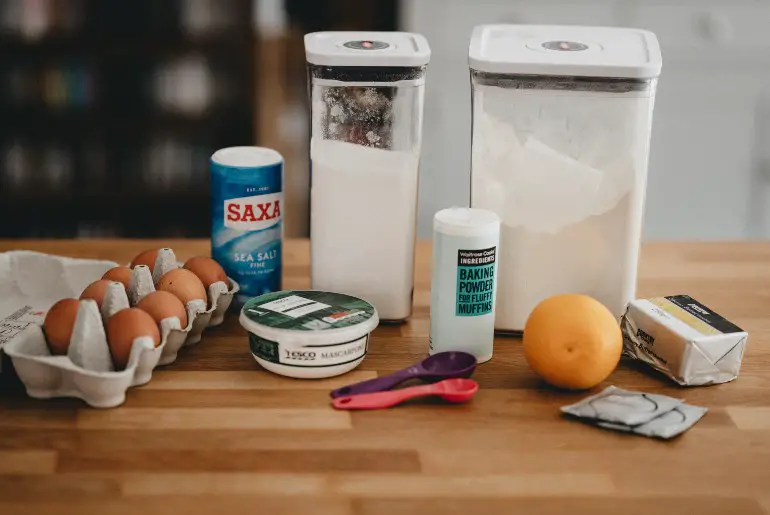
(683,339)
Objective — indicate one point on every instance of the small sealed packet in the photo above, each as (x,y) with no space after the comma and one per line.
(619,406)
(665,426)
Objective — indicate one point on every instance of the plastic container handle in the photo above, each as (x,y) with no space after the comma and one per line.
(386,399)
(377,384)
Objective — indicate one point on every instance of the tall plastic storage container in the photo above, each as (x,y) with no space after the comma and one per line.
(366,95)
(562,117)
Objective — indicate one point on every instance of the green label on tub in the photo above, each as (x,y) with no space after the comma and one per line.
(475,282)
(264,349)
(307,310)
(311,356)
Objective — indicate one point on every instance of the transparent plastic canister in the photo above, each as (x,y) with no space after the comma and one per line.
(366,99)
(562,120)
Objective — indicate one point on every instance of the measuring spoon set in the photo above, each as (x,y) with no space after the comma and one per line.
(447,375)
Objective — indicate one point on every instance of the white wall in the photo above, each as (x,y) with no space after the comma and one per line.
(709,175)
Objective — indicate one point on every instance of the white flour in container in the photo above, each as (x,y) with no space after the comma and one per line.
(562,175)
(363,208)
(595,257)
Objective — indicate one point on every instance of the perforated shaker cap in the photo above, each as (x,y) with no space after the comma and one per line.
(565,50)
(366,48)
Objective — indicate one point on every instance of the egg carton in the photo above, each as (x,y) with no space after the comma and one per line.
(87,371)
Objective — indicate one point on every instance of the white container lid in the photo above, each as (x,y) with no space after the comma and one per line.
(246,157)
(466,221)
(565,50)
(365,48)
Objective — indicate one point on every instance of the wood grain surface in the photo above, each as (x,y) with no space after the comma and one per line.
(215,433)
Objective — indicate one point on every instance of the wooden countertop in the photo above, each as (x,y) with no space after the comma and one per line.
(213,432)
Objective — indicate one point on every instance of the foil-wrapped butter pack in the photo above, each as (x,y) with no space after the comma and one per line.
(683,339)
(31,282)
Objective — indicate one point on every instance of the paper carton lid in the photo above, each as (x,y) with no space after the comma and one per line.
(565,51)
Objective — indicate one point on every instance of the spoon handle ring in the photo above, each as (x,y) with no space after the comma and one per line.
(377,384)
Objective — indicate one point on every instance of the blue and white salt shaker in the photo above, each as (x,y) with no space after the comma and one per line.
(464,281)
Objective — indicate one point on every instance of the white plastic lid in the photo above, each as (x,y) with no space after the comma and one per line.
(565,50)
(466,221)
(299,318)
(349,48)
(246,157)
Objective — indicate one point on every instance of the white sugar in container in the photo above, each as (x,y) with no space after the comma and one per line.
(366,98)
(308,334)
(464,280)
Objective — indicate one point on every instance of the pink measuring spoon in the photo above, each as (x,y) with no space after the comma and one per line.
(453,390)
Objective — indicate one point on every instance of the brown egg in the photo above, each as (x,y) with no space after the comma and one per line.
(96,291)
(184,284)
(58,325)
(123,328)
(161,305)
(207,270)
(146,258)
(121,274)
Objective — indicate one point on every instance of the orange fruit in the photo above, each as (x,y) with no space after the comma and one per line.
(572,341)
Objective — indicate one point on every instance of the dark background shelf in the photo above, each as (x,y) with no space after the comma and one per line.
(107,122)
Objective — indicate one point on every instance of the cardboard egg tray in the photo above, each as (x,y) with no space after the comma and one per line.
(31,282)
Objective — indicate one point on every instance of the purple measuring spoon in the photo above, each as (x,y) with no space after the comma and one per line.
(439,366)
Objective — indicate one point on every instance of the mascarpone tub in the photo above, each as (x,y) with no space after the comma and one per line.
(308,334)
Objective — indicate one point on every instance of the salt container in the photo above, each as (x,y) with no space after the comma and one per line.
(366,93)
(562,117)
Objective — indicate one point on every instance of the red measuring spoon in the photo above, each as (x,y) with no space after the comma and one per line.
(452,390)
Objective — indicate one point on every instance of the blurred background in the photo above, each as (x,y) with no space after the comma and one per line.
(110,109)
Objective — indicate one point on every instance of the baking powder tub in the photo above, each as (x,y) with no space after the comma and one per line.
(463,281)
(308,334)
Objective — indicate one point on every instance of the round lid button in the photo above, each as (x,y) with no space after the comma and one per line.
(565,46)
(366,45)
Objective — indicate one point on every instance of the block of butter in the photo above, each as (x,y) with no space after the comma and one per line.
(683,339)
